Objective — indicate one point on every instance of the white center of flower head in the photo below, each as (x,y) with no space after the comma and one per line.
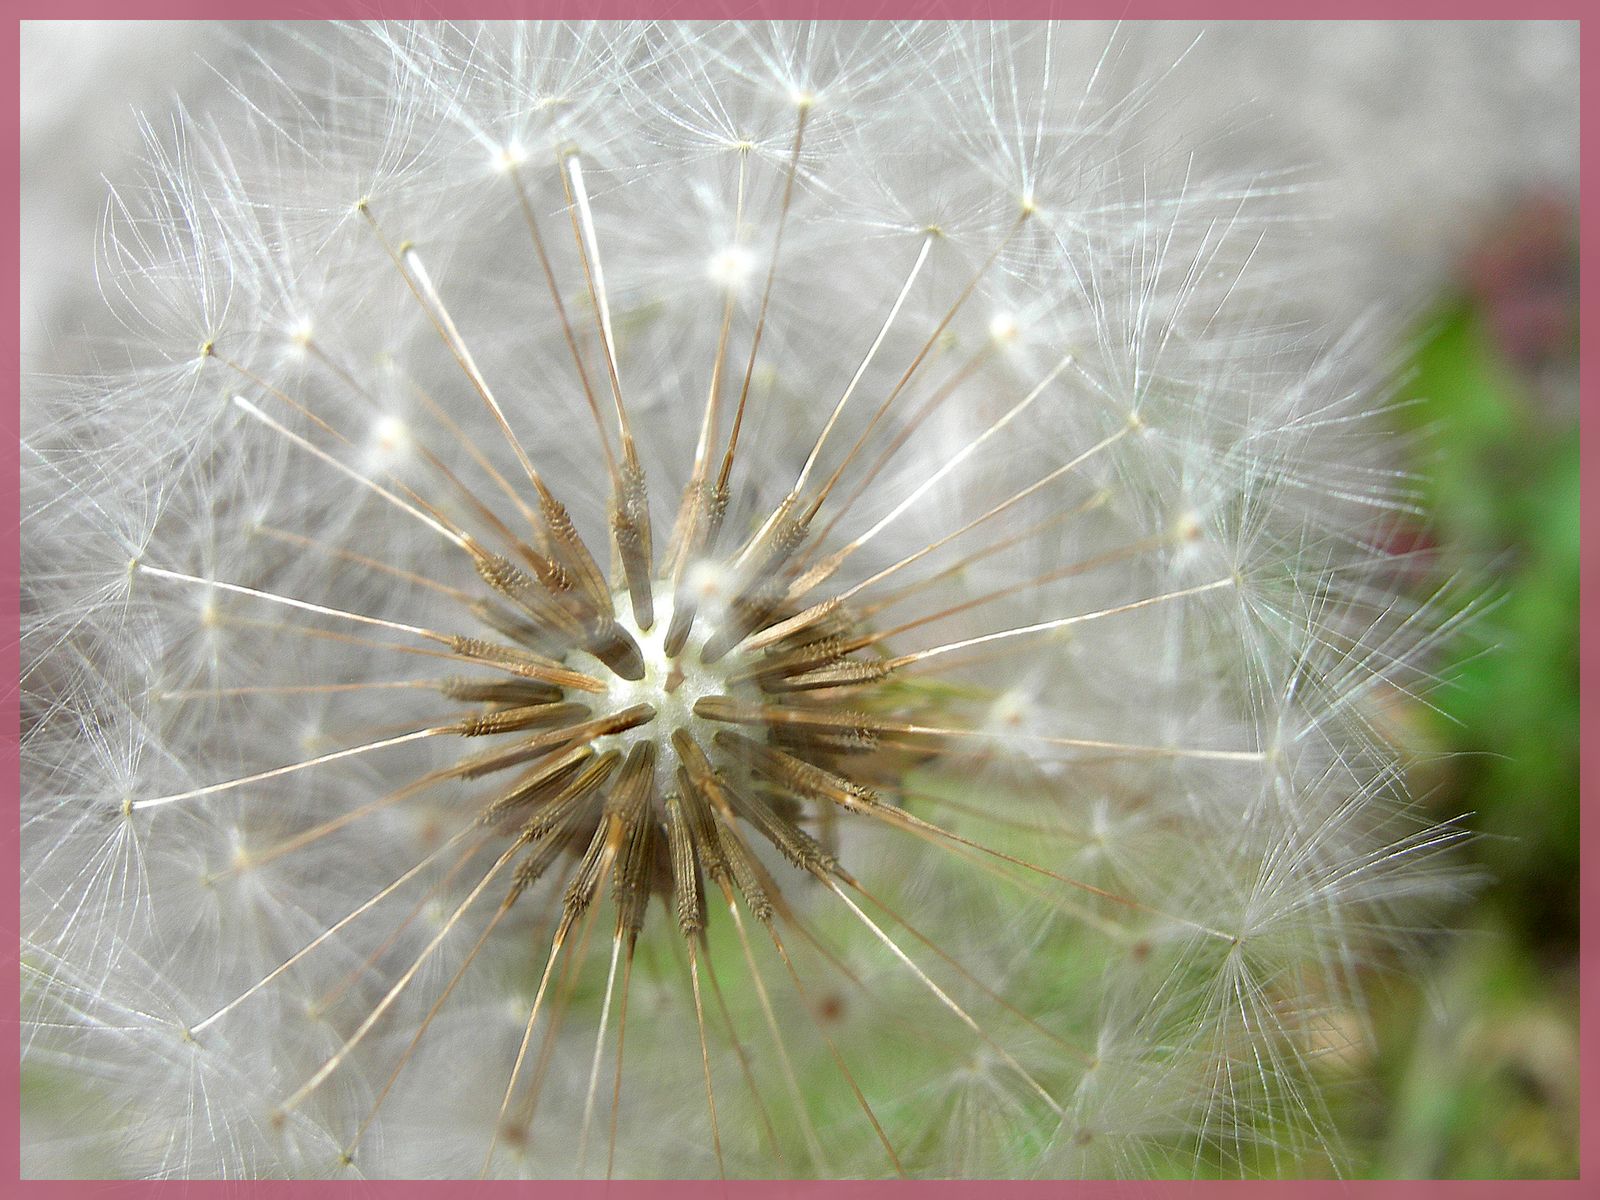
(671,685)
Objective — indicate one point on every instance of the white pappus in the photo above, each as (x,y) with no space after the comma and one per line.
(659,600)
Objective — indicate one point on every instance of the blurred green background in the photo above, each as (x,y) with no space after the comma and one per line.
(1477,1052)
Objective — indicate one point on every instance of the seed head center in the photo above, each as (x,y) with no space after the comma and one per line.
(671,685)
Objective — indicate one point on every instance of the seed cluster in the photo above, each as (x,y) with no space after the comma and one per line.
(674,725)
(659,768)
(1000,554)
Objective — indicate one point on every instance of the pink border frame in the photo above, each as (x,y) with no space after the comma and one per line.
(1589,629)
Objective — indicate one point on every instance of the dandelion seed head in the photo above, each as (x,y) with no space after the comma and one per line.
(905,707)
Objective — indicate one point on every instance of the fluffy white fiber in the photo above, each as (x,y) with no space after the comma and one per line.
(1121,832)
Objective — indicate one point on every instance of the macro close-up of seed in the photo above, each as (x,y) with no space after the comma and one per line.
(642,600)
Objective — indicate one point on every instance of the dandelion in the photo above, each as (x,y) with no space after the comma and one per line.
(676,600)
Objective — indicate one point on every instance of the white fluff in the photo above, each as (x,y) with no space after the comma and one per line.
(1189,747)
